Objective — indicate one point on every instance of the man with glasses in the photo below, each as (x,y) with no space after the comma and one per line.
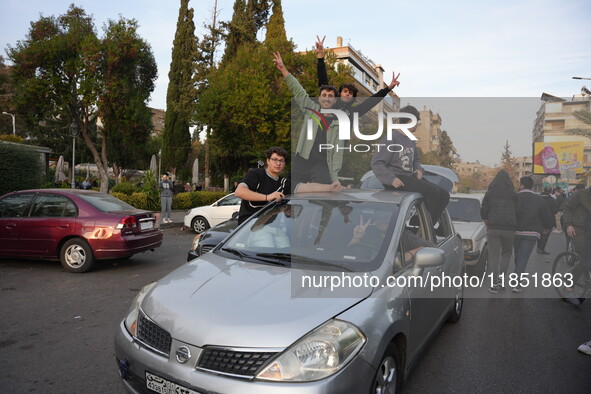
(262,185)
(401,169)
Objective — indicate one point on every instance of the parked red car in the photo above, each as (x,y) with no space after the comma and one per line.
(77,227)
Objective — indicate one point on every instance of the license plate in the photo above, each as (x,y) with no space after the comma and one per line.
(146,225)
(163,386)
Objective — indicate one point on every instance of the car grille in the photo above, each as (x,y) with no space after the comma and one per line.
(152,335)
(233,362)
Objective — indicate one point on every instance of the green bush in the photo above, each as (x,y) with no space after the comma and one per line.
(125,187)
(20,168)
(150,188)
(182,201)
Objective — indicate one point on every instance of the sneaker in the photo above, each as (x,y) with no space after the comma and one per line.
(494,289)
(169,220)
(540,251)
(585,348)
(517,289)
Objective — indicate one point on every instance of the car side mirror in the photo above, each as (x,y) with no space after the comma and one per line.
(235,215)
(429,257)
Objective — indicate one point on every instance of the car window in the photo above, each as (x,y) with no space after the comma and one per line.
(229,200)
(52,206)
(416,221)
(14,206)
(105,202)
(464,209)
(443,228)
(353,234)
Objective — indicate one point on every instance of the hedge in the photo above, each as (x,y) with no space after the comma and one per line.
(180,201)
(20,168)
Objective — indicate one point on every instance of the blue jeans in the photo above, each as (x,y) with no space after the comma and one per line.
(523,246)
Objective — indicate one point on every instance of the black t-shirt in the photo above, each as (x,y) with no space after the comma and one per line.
(258,180)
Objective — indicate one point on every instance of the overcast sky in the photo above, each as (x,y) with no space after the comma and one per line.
(498,48)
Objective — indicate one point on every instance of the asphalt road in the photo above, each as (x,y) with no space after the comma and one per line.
(57,329)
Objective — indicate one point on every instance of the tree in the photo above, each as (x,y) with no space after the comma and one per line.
(128,70)
(62,80)
(53,74)
(181,94)
(508,163)
(446,148)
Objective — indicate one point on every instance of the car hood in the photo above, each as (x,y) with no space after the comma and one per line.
(468,230)
(219,301)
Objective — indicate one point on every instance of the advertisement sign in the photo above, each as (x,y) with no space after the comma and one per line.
(552,158)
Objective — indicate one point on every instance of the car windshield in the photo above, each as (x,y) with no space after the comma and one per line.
(322,234)
(106,202)
(464,209)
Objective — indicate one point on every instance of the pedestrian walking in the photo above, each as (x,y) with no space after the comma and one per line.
(558,201)
(499,212)
(533,216)
(543,240)
(166,192)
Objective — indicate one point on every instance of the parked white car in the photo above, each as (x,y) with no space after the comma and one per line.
(464,210)
(201,218)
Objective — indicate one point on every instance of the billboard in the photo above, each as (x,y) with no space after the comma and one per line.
(553,158)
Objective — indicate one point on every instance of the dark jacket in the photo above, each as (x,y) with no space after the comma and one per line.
(534,214)
(576,209)
(550,201)
(500,204)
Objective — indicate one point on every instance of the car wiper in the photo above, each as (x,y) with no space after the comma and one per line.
(235,252)
(291,256)
(248,256)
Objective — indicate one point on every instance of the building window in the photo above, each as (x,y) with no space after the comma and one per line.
(557,124)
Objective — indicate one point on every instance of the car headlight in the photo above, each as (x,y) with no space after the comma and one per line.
(467,244)
(134,309)
(196,242)
(318,354)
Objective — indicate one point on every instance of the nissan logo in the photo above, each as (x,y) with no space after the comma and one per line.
(183,354)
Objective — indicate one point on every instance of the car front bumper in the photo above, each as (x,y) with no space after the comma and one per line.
(471,257)
(133,360)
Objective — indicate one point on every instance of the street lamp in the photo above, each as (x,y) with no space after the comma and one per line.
(74,130)
(13,124)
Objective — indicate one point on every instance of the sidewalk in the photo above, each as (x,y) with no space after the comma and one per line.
(177,217)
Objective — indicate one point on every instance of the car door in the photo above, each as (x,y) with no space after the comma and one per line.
(12,210)
(426,303)
(451,244)
(225,208)
(52,217)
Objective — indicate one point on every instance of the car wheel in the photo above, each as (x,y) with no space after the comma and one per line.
(199,224)
(76,256)
(388,377)
(456,312)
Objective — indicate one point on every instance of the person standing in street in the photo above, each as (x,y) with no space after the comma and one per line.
(533,216)
(166,192)
(558,201)
(543,240)
(499,212)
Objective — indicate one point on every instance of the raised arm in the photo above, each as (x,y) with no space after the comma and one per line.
(320,65)
(368,104)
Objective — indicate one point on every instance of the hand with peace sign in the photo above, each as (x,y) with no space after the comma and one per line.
(395,81)
(320,47)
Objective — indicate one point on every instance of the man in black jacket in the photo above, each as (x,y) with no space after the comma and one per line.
(533,217)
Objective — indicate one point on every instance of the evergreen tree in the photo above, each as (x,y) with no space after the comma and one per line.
(508,162)
(238,31)
(181,94)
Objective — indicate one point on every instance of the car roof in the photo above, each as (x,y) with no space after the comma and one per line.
(383,196)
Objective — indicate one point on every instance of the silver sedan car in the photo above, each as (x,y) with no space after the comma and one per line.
(320,293)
